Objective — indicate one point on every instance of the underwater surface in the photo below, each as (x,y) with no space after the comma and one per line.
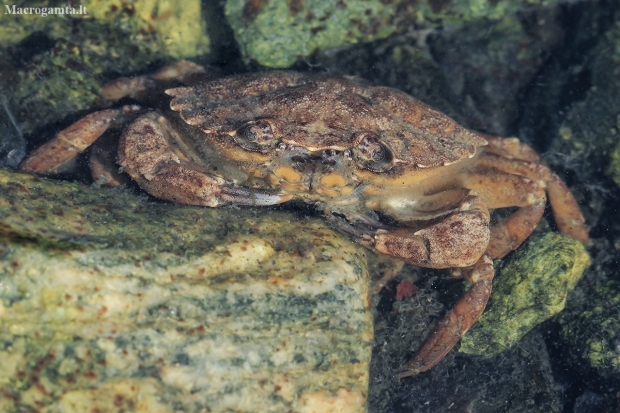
(111,299)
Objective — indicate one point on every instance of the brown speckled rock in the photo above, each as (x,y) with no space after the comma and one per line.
(110,301)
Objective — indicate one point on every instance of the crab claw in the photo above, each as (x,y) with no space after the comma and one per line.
(244,196)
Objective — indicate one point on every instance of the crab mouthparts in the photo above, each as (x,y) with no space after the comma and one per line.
(321,172)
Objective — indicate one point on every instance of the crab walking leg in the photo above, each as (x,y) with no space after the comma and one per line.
(511,148)
(70,142)
(566,211)
(150,152)
(501,190)
(509,233)
(182,71)
(456,323)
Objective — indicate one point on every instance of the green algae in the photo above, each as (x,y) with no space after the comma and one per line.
(591,130)
(55,83)
(454,12)
(593,330)
(57,62)
(529,288)
(178,27)
(276,33)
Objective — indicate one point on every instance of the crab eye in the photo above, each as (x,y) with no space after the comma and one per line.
(256,136)
(372,154)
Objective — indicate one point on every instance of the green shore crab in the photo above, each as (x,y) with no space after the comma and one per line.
(386,169)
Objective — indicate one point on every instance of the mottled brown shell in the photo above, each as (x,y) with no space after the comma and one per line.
(320,112)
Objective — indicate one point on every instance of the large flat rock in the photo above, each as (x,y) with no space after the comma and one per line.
(112,302)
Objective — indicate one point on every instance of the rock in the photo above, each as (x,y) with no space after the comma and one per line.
(112,301)
(519,380)
(529,288)
(590,132)
(52,66)
(276,33)
(592,330)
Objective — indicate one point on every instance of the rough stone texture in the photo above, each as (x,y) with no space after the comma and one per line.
(52,66)
(593,330)
(529,288)
(109,301)
(589,134)
(275,33)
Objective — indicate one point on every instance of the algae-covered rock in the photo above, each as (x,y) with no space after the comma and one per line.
(276,32)
(591,131)
(175,29)
(592,331)
(529,288)
(57,62)
(179,27)
(109,301)
(453,12)
(56,83)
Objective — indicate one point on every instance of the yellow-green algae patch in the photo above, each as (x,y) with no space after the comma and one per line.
(179,27)
(593,329)
(276,32)
(59,60)
(109,301)
(600,348)
(529,288)
(176,28)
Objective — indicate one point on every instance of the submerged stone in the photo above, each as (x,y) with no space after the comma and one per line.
(53,65)
(592,330)
(529,288)
(276,32)
(109,300)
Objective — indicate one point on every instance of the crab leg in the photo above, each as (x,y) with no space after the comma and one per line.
(456,323)
(566,211)
(523,186)
(510,148)
(150,151)
(70,142)
(501,190)
(183,71)
(102,162)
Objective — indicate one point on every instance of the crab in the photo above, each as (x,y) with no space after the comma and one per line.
(387,170)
